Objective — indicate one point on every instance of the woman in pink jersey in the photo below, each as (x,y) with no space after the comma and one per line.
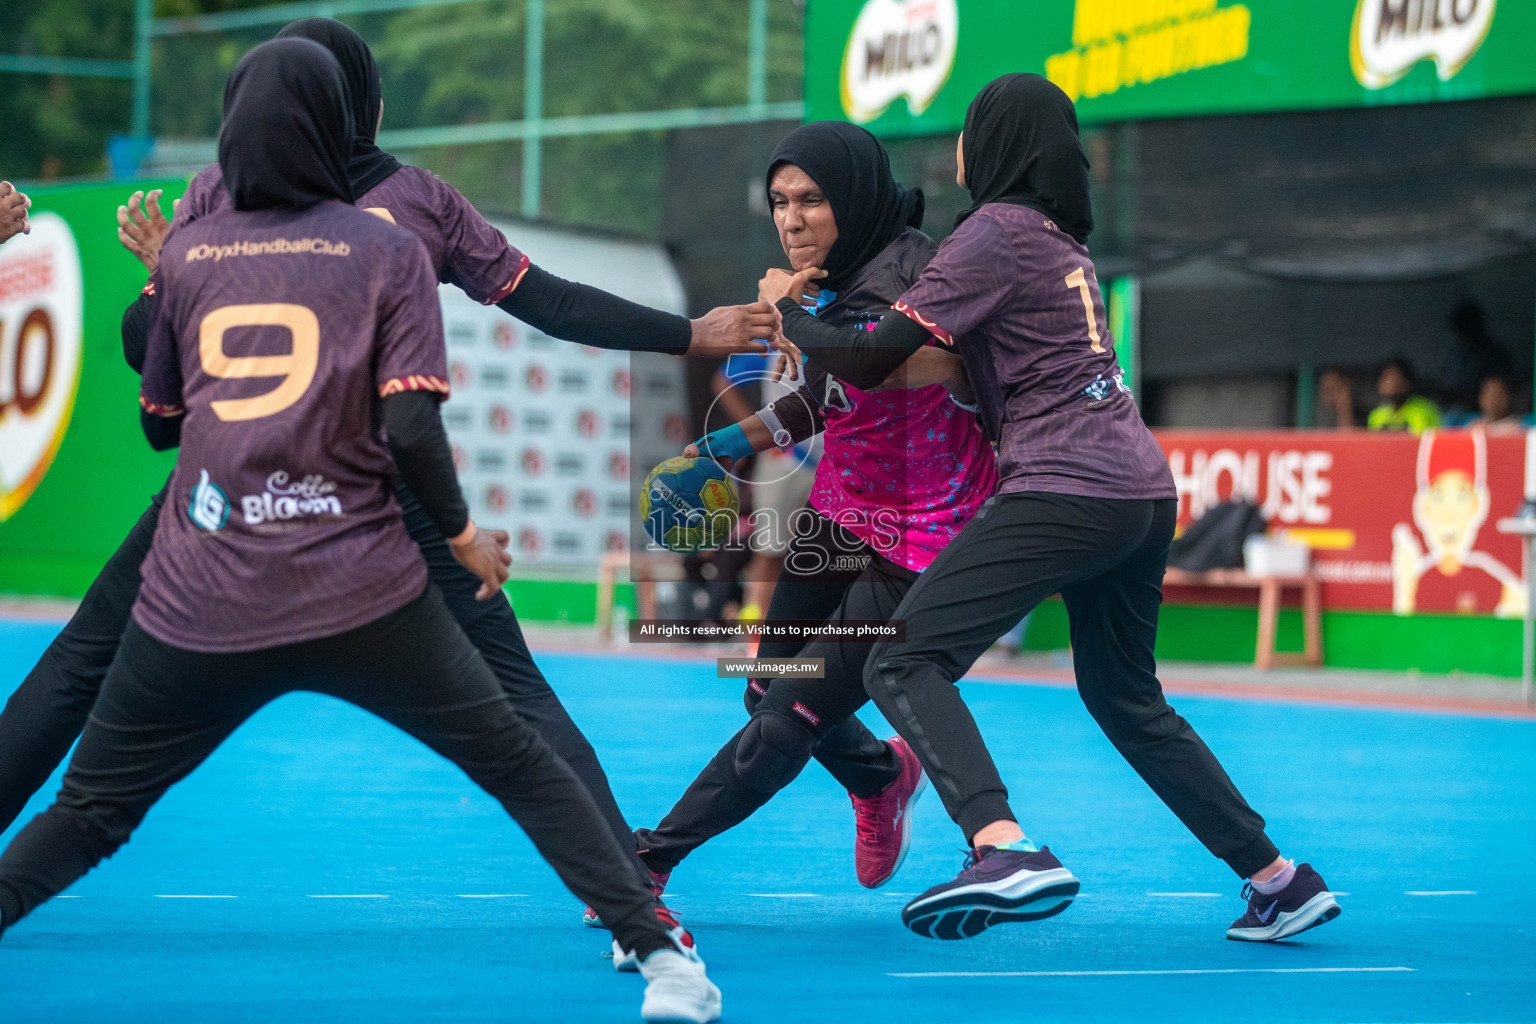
(904,468)
(1085,508)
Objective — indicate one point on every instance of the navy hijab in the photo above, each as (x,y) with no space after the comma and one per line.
(1022,147)
(367,164)
(284,139)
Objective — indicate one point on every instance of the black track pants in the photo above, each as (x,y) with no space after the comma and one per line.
(46,714)
(1106,558)
(791,721)
(163,710)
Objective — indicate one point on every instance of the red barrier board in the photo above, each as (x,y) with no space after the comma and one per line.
(1396,523)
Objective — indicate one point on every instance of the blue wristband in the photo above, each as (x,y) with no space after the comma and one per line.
(728,443)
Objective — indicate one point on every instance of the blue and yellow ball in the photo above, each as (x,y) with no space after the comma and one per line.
(689,505)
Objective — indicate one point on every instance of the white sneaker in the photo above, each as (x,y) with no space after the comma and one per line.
(677,990)
(626,960)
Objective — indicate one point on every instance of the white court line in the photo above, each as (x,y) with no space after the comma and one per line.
(1183,894)
(183,896)
(783,895)
(348,896)
(489,895)
(1441,892)
(1104,974)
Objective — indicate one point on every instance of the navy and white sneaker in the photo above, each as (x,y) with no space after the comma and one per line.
(998,885)
(1305,903)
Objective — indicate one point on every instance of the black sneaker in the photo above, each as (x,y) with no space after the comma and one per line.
(1305,903)
(995,887)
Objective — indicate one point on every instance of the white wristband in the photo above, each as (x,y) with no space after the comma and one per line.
(781,437)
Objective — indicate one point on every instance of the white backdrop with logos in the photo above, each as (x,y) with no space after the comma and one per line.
(548,436)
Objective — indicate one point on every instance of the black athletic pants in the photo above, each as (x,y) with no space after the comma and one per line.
(829,575)
(1106,558)
(162,710)
(45,715)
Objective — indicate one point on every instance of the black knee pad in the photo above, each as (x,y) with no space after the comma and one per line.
(771,751)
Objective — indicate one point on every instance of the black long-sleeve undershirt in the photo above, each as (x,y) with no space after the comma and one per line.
(861,358)
(577,312)
(414,425)
(163,432)
(136,320)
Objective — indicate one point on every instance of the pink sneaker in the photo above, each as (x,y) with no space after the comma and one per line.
(658,886)
(885,821)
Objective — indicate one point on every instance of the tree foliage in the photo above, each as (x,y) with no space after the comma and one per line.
(452,65)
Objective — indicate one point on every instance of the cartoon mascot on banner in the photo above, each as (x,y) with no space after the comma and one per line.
(1450,505)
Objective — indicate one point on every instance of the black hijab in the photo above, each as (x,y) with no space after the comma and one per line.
(850,167)
(368,164)
(286,122)
(1022,147)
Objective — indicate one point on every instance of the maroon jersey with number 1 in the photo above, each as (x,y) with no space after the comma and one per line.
(277,334)
(1018,298)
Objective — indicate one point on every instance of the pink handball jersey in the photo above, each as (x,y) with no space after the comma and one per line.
(903,470)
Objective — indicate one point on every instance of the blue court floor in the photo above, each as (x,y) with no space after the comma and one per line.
(323,867)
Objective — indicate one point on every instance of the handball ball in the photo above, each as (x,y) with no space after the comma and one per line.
(689,504)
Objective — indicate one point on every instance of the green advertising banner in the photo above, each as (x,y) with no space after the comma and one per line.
(75,470)
(910,67)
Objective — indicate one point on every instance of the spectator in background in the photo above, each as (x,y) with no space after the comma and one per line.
(1400,408)
(1336,400)
(13,212)
(1473,358)
(1496,405)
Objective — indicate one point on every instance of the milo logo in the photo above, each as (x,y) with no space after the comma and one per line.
(1391,36)
(41,309)
(898,48)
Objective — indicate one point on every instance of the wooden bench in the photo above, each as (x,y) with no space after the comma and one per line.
(1270,589)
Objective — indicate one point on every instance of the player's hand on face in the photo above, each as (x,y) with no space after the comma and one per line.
(142,231)
(727,330)
(692,452)
(13,212)
(485,554)
(779,284)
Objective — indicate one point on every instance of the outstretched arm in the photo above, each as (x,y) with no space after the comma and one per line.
(864,359)
(577,312)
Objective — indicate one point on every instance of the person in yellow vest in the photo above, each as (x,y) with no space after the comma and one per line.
(1400,408)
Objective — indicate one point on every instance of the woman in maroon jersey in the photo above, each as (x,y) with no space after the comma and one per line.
(46,713)
(1085,509)
(282,560)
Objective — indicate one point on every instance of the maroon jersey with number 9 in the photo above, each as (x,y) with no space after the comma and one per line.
(277,334)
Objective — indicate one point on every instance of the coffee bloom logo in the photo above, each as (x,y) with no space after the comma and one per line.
(898,48)
(41,311)
(1391,36)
